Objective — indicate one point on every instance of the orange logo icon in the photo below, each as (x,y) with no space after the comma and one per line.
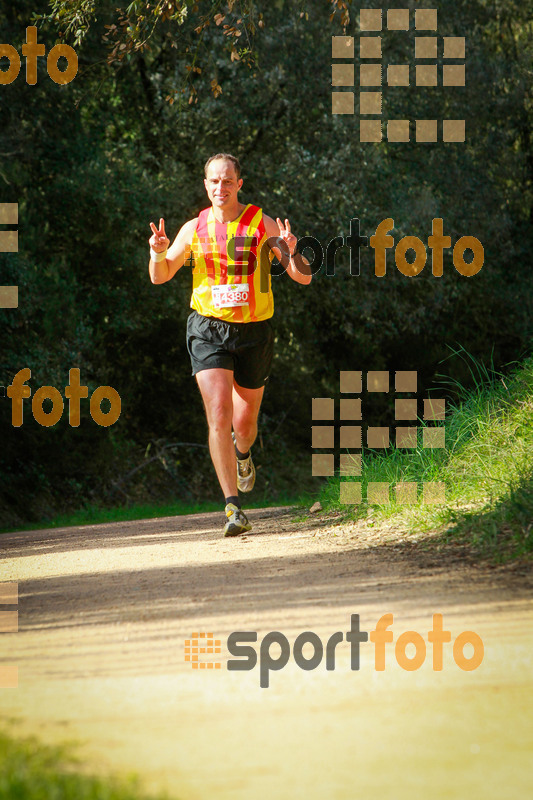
(200,644)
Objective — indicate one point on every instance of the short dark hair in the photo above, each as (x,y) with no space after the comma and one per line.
(224,157)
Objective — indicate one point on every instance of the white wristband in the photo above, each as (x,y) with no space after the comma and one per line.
(158,256)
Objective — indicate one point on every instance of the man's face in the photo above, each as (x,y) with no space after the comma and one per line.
(221,183)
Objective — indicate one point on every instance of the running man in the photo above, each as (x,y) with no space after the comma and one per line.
(229,334)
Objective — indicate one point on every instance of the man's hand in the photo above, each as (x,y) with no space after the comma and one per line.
(283,244)
(159,241)
(286,235)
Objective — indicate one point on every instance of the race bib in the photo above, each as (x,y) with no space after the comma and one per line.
(230,295)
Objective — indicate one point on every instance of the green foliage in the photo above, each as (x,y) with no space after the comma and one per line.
(504,528)
(487,467)
(91,163)
(30,770)
(140,27)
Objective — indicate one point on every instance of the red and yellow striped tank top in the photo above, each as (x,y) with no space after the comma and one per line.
(231,274)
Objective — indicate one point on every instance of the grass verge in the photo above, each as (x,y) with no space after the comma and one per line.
(93,515)
(30,770)
(486,469)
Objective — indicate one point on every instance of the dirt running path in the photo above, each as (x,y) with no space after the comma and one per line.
(104,612)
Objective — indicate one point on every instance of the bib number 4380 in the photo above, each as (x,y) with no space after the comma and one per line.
(230,295)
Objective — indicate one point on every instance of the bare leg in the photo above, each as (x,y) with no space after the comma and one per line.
(246,405)
(227,403)
(216,390)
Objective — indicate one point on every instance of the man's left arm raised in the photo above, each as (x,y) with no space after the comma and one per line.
(284,247)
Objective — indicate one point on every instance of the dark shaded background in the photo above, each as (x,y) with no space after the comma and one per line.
(91,163)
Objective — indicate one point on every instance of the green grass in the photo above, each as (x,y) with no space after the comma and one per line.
(487,468)
(30,770)
(93,515)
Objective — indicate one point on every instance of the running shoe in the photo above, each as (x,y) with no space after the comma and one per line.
(237,522)
(245,472)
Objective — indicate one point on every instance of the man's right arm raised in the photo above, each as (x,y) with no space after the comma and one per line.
(164,263)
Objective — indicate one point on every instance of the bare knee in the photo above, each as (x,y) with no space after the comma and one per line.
(219,418)
(245,429)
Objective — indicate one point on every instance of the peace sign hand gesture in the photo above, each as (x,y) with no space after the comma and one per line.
(286,235)
(159,241)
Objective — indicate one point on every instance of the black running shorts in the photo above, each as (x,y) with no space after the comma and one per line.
(246,348)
